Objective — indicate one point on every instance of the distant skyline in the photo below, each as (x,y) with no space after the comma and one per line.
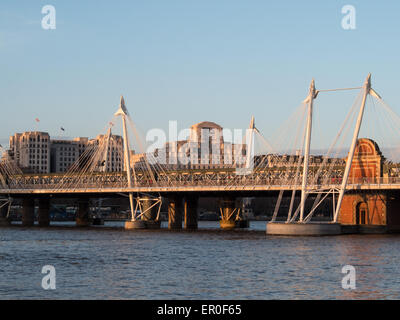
(191,61)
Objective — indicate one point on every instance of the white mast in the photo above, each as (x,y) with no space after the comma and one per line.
(310,99)
(123,112)
(367,89)
(250,147)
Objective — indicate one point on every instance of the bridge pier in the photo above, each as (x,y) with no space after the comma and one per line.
(150,213)
(190,210)
(175,213)
(28,212)
(82,215)
(44,212)
(228,213)
(3,215)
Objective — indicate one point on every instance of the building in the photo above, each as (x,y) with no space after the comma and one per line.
(113,159)
(137,160)
(205,148)
(82,143)
(63,153)
(31,151)
(369,209)
(35,152)
(283,161)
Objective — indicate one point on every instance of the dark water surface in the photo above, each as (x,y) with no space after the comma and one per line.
(111,263)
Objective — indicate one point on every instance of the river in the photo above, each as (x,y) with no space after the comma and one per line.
(107,262)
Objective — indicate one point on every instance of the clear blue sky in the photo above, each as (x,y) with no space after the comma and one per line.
(187,60)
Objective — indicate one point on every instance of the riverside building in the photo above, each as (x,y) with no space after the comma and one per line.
(35,152)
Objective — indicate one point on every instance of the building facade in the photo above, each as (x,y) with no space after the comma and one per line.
(31,151)
(63,154)
(35,152)
(111,155)
(205,148)
(369,208)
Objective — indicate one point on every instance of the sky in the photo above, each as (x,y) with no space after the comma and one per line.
(190,61)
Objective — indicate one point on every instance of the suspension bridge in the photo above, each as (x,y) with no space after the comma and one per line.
(358,182)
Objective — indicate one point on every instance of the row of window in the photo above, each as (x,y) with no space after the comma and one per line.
(35,151)
(33,145)
(37,162)
(68,154)
(39,169)
(33,156)
(38,139)
(68,159)
(67,149)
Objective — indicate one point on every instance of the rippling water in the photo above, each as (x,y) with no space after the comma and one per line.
(111,263)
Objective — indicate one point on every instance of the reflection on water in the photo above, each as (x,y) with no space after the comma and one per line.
(110,263)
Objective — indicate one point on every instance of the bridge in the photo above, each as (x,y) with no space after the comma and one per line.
(148,182)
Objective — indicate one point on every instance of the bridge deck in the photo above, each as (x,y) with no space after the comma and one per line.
(201,189)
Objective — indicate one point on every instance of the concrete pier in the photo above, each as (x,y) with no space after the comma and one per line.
(135,224)
(44,212)
(150,214)
(3,216)
(303,229)
(190,211)
(82,215)
(28,212)
(175,213)
(227,215)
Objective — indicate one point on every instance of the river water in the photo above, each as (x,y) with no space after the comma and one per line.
(107,262)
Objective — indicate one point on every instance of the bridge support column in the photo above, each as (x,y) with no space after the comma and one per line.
(190,209)
(28,212)
(149,207)
(3,215)
(228,213)
(175,213)
(82,215)
(44,212)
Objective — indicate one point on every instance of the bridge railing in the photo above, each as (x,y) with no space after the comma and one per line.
(120,182)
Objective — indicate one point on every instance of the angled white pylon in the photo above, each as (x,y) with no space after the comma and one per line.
(310,99)
(367,90)
(123,112)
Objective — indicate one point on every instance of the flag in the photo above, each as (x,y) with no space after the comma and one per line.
(111,124)
(62,129)
(37,120)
